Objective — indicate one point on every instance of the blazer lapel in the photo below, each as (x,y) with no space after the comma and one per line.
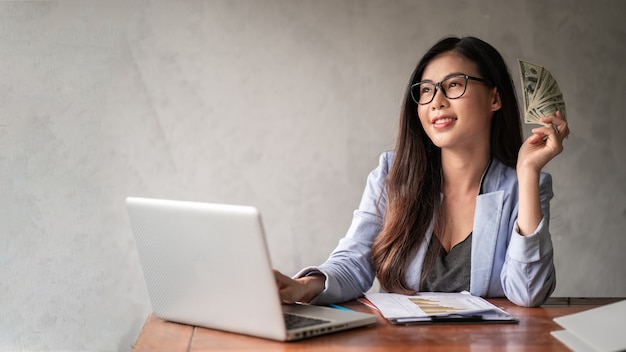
(485,234)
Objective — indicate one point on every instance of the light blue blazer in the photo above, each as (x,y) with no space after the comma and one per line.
(504,263)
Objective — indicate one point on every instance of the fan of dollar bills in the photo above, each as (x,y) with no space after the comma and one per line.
(541,93)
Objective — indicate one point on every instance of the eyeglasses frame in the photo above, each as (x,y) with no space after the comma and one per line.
(438,86)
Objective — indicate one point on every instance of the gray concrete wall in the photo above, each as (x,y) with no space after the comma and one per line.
(285,105)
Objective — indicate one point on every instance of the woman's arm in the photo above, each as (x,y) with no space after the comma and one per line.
(528,276)
(543,145)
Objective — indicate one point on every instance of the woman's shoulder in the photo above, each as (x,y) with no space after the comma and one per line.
(385,160)
(387,157)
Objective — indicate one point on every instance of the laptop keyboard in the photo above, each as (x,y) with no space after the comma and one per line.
(297,321)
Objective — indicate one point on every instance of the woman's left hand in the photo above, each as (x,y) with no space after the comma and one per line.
(544,143)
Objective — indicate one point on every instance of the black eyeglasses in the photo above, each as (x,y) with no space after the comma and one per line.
(452,88)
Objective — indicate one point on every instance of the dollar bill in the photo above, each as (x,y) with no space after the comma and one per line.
(540,92)
(530,76)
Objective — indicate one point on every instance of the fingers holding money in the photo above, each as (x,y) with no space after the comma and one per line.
(544,143)
(558,124)
(555,128)
(552,133)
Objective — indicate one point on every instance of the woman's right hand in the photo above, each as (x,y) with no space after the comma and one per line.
(298,290)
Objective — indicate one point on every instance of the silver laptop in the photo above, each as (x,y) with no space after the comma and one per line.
(208,265)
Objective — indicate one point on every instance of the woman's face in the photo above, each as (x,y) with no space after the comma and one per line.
(463,123)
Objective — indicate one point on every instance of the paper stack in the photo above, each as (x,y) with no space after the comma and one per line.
(600,329)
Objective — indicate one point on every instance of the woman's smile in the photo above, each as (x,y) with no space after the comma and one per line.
(443,121)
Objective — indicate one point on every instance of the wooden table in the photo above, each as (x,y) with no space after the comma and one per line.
(531,334)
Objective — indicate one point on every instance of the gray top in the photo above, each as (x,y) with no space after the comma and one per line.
(451,271)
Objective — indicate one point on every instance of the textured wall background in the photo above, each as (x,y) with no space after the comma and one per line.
(285,105)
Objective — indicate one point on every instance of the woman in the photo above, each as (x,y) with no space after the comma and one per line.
(461,203)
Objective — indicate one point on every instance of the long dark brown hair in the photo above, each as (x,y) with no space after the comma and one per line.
(413,184)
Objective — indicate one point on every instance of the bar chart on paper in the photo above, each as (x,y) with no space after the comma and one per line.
(428,304)
(438,306)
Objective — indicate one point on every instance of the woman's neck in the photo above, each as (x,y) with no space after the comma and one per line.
(462,172)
